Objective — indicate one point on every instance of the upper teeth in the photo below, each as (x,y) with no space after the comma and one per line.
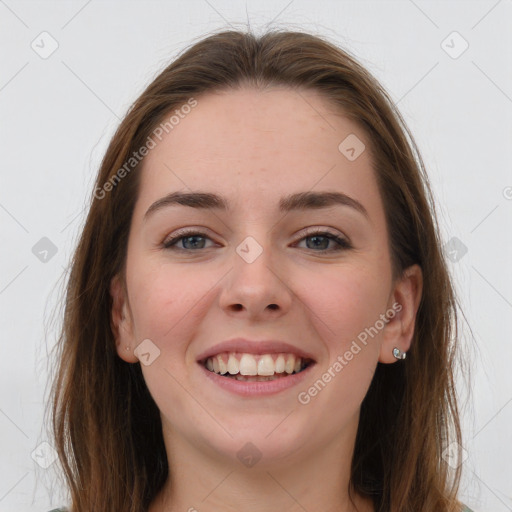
(248,364)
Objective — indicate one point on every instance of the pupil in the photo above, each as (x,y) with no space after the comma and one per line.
(192,238)
(321,238)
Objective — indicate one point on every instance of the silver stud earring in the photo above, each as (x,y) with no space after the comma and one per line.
(398,353)
(127,348)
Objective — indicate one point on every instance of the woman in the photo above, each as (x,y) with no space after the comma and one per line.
(259,315)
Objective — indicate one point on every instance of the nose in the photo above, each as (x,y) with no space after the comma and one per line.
(256,288)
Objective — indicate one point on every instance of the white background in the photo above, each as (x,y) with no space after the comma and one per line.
(57,115)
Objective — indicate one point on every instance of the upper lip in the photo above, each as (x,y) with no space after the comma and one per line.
(253,347)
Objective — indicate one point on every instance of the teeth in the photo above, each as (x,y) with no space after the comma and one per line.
(266,365)
(233,366)
(290,365)
(280,364)
(223,368)
(247,365)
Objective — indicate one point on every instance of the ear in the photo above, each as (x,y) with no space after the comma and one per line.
(402,308)
(121,321)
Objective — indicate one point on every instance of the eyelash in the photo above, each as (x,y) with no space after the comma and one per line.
(343,244)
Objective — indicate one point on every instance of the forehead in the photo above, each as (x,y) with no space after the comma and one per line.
(254,145)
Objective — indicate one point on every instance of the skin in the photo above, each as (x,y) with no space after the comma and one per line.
(253,147)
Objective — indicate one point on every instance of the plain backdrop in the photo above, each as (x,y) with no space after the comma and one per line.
(69,71)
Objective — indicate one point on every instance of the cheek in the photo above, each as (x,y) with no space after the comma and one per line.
(347,302)
(348,308)
(162,298)
(350,305)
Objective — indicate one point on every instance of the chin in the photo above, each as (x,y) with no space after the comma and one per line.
(264,442)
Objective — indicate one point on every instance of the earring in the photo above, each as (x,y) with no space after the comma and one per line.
(127,348)
(398,353)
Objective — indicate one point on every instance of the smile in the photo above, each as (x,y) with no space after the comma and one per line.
(255,368)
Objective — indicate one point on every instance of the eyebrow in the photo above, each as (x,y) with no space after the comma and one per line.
(301,201)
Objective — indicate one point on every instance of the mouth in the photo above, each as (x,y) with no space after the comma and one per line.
(249,367)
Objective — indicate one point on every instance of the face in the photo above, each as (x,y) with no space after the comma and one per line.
(309,286)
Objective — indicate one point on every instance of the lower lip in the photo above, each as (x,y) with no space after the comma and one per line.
(267,387)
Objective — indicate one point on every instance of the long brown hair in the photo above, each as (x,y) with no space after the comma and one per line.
(106,426)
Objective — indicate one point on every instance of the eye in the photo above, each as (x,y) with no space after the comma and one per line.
(321,239)
(187,238)
(193,239)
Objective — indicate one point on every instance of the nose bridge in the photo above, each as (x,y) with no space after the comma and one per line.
(250,250)
(253,261)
